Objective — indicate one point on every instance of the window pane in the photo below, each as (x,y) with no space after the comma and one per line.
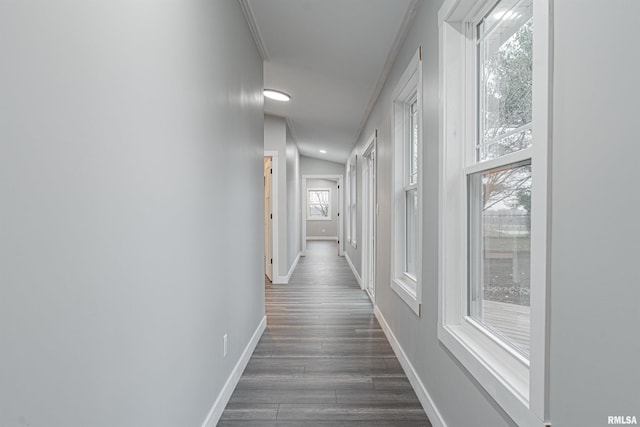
(500,252)
(505,79)
(413,143)
(319,203)
(411,238)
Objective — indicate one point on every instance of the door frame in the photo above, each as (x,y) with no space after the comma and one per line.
(274,212)
(369,214)
(337,178)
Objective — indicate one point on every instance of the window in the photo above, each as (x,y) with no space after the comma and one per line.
(319,204)
(352,200)
(493,210)
(407,225)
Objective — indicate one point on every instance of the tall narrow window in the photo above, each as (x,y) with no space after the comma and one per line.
(407,142)
(352,200)
(493,231)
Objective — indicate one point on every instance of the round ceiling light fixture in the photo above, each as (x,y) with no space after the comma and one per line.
(323,151)
(276,95)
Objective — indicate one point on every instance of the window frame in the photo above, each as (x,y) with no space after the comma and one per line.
(518,385)
(407,91)
(352,182)
(329,210)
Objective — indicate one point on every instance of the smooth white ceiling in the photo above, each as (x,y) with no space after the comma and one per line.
(328,55)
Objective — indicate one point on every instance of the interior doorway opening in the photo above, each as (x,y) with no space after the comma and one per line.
(322,210)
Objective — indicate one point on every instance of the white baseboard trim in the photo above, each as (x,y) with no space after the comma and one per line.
(353,269)
(283,280)
(293,266)
(423,395)
(321,238)
(225,394)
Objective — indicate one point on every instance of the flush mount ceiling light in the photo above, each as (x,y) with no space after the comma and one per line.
(276,95)
(323,151)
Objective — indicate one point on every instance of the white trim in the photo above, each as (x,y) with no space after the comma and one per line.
(424,397)
(353,270)
(255,30)
(334,238)
(293,267)
(407,294)
(275,238)
(407,20)
(338,179)
(408,89)
(227,390)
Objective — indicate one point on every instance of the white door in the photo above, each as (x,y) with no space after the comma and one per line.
(268,217)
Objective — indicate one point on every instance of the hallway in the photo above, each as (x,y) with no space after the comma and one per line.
(323,359)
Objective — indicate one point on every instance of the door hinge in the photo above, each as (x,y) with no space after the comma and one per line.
(271,260)
(338,213)
(271,171)
(338,187)
(270,216)
(420,53)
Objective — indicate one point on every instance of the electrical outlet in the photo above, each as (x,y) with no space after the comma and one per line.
(224,340)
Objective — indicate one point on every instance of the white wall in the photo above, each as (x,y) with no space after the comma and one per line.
(125,127)
(294,203)
(277,137)
(313,166)
(595,228)
(324,228)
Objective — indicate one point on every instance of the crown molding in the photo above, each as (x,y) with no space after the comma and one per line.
(255,30)
(391,57)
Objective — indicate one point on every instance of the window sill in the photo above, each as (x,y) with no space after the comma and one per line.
(406,291)
(505,378)
(318,219)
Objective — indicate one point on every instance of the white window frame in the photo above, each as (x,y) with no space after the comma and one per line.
(518,385)
(352,182)
(408,89)
(329,210)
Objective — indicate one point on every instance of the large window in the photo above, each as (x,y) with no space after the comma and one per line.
(407,141)
(319,204)
(493,197)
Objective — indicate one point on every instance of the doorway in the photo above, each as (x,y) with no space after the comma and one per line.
(268,219)
(327,225)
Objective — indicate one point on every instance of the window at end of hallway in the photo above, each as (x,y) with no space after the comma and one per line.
(407,186)
(319,204)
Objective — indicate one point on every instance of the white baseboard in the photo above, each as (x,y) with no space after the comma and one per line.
(353,269)
(223,398)
(283,280)
(423,395)
(321,238)
(293,266)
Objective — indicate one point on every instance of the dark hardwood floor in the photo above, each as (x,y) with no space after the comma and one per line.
(323,359)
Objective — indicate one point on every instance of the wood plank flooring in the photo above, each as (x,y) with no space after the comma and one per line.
(323,359)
